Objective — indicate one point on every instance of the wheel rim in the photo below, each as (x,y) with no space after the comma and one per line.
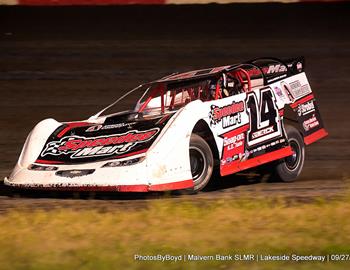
(293,160)
(197,162)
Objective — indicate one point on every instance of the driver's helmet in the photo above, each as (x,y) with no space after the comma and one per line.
(212,88)
(230,86)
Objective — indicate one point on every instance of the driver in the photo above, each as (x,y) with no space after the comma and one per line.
(228,85)
(231,86)
(212,89)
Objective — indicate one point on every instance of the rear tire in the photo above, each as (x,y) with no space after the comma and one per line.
(201,162)
(289,168)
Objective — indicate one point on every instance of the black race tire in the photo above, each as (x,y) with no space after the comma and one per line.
(289,168)
(201,162)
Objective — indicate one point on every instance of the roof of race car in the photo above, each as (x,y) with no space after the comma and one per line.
(262,64)
(194,74)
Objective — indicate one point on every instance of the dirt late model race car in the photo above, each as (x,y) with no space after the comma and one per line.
(183,126)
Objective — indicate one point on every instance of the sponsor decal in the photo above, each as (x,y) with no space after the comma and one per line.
(306,108)
(299,66)
(271,69)
(235,158)
(262,132)
(283,92)
(277,78)
(308,115)
(102,127)
(219,69)
(233,142)
(229,115)
(297,90)
(311,123)
(233,147)
(267,146)
(286,92)
(276,69)
(280,93)
(81,147)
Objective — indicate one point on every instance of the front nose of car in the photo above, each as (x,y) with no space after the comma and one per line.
(100,174)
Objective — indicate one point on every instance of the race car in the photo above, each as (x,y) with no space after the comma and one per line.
(181,128)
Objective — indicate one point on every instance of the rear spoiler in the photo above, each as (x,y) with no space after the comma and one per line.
(273,69)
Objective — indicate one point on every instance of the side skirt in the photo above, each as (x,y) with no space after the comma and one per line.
(265,158)
(117,188)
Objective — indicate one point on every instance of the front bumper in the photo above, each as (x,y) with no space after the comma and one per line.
(185,184)
(134,178)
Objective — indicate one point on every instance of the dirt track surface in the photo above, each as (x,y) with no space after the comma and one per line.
(67,63)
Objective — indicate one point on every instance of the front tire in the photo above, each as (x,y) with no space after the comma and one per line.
(289,168)
(201,162)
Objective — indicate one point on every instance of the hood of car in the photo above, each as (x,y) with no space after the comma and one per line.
(119,136)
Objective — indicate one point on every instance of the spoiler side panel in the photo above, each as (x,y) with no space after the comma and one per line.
(297,93)
(309,119)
